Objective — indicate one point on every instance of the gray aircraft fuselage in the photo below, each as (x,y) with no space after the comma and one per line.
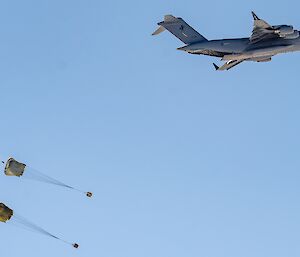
(242,47)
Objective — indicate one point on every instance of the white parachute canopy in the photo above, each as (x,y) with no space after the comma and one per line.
(18,169)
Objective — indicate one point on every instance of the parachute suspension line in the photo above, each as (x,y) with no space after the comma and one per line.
(34,174)
(88,194)
(26,224)
(39,176)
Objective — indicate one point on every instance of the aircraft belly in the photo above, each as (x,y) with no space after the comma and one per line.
(270,51)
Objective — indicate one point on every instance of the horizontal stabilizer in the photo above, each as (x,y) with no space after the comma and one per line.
(158,31)
(170,18)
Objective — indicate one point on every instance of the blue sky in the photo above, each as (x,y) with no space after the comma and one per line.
(183,161)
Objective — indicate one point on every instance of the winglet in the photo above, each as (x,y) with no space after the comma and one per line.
(255,17)
(216,66)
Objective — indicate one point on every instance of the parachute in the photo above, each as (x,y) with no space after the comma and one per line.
(18,169)
(14,168)
(7,214)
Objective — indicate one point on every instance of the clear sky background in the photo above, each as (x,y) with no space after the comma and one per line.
(183,161)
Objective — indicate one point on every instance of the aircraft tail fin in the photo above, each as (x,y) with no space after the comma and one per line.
(180,29)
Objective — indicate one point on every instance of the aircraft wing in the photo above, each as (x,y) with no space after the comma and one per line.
(232,63)
(228,65)
(262,30)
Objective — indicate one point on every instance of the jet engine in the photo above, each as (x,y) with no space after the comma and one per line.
(294,35)
(262,59)
(284,30)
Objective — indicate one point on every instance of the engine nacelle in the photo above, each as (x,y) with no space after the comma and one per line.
(262,59)
(295,35)
(284,30)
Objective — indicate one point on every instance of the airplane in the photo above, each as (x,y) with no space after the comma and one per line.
(265,42)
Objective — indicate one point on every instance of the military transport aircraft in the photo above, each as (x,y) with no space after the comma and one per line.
(265,42)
